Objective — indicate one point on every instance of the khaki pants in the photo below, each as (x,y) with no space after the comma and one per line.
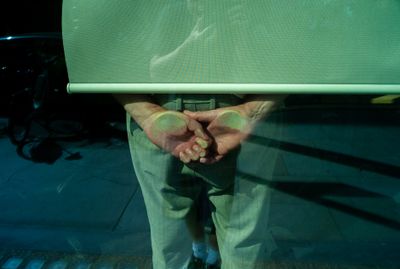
(237,188)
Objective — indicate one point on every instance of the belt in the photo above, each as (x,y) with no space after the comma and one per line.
(179,102)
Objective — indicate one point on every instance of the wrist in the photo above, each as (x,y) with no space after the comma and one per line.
(248,111)
(142,112)
(259,107)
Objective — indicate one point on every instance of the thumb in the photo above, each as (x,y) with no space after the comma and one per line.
(196,127)
(203,116)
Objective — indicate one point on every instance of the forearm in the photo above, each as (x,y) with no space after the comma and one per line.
(139,106)
(257,107)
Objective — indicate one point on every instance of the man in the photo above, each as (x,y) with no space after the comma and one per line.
(177,142)
(180,142)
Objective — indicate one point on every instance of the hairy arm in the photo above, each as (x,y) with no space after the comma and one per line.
(139,106)
(229,126)
(258,107)
(172,131)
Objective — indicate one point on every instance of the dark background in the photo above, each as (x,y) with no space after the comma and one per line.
(24,16)
(35,49)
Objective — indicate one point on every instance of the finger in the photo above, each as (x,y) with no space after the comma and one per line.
(192,155)
(200,133)
(196,127)
(203,116)
(184,158)
(197,148)
(211,160)
(200,151)
(207,160)
(201,142)
(203,153)
(219,157)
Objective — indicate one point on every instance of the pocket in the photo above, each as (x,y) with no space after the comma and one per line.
(131,125)
(137,138)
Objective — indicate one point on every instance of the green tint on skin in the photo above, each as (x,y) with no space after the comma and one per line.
(233,120)
(168,122)
(202,143)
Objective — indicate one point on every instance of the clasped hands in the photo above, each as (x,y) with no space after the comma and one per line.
(203,136)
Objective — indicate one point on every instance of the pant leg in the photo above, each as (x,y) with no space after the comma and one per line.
(240,192)
(236,190)
(169,187)
(168,195)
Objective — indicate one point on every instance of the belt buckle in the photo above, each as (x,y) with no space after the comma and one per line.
(180,103)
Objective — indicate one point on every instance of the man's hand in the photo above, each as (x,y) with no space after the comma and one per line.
(178,134)
(227,126)
(172,131)
(183,136)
